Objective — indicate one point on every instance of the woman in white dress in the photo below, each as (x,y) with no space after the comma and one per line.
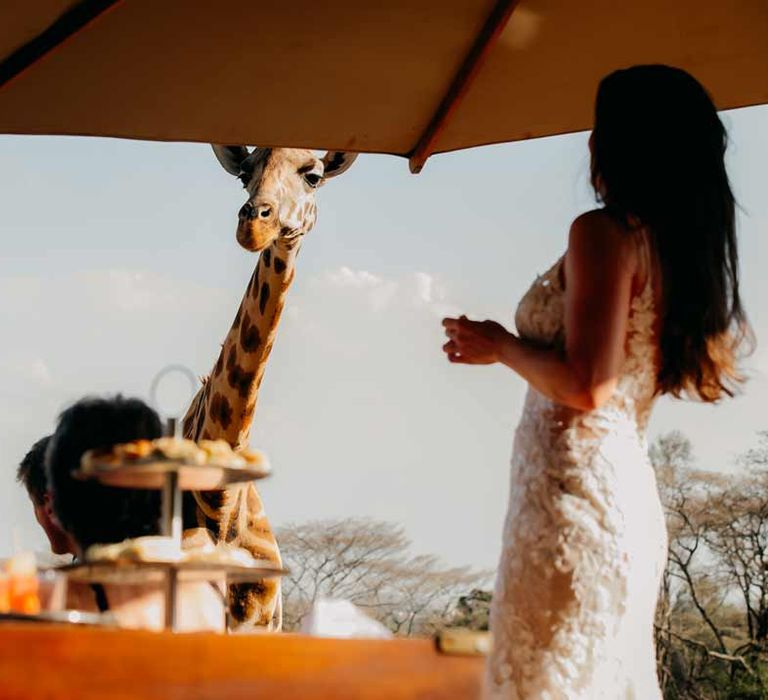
(644,302)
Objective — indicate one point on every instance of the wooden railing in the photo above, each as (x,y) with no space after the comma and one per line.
(63,663)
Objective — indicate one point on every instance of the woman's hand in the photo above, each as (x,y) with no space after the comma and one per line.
(474,342)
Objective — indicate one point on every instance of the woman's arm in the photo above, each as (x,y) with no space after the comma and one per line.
(599,267)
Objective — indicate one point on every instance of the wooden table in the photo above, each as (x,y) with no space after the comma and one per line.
(42,662)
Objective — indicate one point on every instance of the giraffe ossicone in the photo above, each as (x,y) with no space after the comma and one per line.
(280,210)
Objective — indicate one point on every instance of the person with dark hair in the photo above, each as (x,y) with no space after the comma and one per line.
(31,473)
(644,302)
(90,512)
(96,514)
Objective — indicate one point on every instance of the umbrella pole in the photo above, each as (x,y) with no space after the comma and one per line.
(462,81)
(66,26)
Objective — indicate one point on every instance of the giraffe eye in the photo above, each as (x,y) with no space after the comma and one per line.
(313,179)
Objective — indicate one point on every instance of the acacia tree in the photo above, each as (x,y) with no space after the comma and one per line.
(424,595)
(738,535)
(686,495)
(716,525)
(679,663)
(369,563)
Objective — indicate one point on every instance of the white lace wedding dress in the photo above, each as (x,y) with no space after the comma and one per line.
(584,540)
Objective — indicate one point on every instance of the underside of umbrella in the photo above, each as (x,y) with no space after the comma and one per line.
(406,77)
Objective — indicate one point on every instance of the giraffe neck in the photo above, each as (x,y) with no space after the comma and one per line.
(224,409)
(225,406)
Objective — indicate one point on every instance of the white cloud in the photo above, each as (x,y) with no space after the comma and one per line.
(357,279)
(113,292)
(416,291)
(101,331)
(377,292)
(138,291)
(31,373)
(424,286)
(36,371)
(359,405)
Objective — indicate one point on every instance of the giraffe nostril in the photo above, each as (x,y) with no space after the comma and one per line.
(265,211)
(247,211)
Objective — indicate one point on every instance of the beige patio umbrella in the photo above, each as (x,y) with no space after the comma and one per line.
(407,77)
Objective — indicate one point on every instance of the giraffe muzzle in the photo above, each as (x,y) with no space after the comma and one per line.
(254,233)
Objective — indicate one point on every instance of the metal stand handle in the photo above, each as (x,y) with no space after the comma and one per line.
(171,527)
(172,584)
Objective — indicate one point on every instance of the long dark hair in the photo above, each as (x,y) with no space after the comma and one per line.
(658,150)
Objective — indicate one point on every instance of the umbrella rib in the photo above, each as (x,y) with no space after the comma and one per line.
(461,83)
(63,28)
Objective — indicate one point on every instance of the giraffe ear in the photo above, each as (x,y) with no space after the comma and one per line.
(236,160)
(337,162)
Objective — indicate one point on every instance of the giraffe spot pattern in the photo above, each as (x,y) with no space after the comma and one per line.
(231,530)
(250,338)
(240,380)
(190,513)
(215,499)
(267,255)
(236,322)
(230,533)
(263,297)
(279,265)
(219,368)
(245,599)
(231,357)
(253,285)
(221,410)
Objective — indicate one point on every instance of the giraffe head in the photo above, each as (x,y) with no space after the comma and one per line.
(281,185)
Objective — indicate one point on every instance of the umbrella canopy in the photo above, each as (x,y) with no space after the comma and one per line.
(406,77)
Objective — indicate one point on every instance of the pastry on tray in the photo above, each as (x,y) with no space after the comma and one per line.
(219,452)
(156,549)
(143,549)
(204,453)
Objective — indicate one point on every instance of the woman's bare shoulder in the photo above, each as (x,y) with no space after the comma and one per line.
(602,238)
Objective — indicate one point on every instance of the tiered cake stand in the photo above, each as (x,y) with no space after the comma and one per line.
(172,477)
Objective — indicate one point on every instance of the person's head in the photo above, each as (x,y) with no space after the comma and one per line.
(90,512)
(658,150)
(31,473)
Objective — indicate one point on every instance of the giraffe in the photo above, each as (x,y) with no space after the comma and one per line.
(280,210)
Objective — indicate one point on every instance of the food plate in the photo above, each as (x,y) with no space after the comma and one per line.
(143,572)
(62,617)
(199,466)
(152,474)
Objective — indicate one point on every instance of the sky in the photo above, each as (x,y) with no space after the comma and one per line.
(119,258)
